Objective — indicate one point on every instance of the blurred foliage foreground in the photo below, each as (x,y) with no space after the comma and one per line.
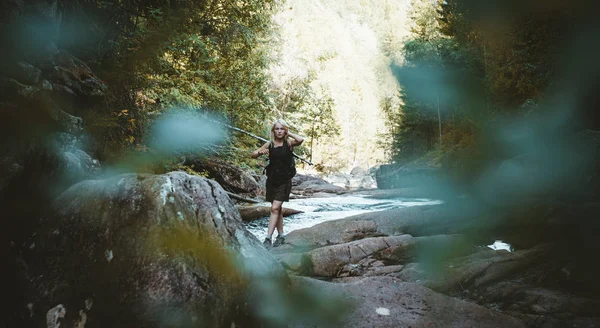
(498,101)
(85,83)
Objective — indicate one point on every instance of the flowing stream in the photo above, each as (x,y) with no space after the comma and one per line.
(317,210)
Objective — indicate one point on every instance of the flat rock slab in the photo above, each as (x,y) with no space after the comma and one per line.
(387,302)
(251,213)
(474,271)
(426,220)
(333,232)
(328,261)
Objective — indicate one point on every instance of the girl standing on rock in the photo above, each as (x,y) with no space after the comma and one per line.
(280,171)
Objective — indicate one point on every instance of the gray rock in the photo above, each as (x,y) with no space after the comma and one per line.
(12,90)
(64,96)
(67,122)
(303,184)
(524,298)
(437,248)
(357,170)
(473,271)
(338,179)
(362,182)
(229,176)
(539,306)
(358,180)
(26,73)
(46,85)
(73,81)
(299,179)
(334,232)
(148,250)
(383,271)
(292,261)
(329,261)
(309,188)
(78,165)
(387,302)
(65,141)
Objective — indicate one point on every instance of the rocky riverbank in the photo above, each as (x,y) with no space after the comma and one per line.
(441,249)
(172,249)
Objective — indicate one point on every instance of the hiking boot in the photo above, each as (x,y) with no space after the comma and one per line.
(280,240)
(267,243)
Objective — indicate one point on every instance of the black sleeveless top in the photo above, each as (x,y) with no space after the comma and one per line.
(281,163)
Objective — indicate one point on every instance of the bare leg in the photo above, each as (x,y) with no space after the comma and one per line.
(280,222)
(274,218)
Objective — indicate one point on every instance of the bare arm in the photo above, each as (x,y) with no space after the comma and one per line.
(297,140)
(263,150)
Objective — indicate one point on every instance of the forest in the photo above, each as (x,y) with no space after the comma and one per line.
(491,101)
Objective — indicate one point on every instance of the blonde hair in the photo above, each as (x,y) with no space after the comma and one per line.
(285,126)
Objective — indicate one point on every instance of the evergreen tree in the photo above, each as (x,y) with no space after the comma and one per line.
(319,120)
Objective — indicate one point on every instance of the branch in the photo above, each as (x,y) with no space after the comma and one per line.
(247,200)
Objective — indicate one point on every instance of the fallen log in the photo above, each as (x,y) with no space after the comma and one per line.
(253,136)
(251,213)
(243,199)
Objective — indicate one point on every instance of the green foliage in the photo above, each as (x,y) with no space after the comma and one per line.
(453,22)
(294,94)
(198,54)
(456,64)
(519,54)
(520,66)
(309,108)
(441,84)
(424,18)
(318,119)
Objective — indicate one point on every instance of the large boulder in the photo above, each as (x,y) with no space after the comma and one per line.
(387,302)
(308,185)
(299,179)
(73,82)
(143,250)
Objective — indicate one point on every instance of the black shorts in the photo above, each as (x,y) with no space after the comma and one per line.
(278,191)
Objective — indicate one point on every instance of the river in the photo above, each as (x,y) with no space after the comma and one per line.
(321,209)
